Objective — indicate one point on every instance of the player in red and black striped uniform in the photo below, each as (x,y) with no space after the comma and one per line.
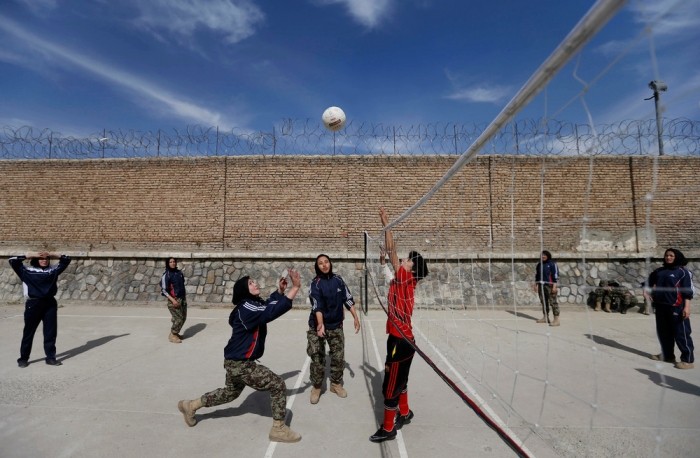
(399,345)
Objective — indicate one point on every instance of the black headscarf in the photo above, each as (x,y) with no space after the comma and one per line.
(167,264)
(318,271)
(241,291)
(420,267)
(679,261)
(34,262)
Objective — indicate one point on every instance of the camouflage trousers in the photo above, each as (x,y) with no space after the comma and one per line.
(316,349)
(240,374)
(623,301)
(602,295)
(178,314)
(548,299)
(616,299)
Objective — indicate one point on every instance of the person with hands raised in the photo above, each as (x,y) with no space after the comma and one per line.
(40,284)
(400,342)
(248,322)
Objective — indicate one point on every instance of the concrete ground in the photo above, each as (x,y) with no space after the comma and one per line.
(586,388)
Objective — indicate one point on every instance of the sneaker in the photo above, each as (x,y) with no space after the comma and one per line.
(404,419)
(53,362)
(660,357)
(383,435)
(684,365)
(22,362)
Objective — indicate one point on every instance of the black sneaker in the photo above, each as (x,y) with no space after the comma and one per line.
(53,362)
(404,419)
(383,435)
(22,363)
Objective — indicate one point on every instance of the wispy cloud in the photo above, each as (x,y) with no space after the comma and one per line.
(481,94)
(664,23)
(369,13)
(467,90)
(55,54)
(39,7)
(668,21)
(667,17)
(234,19)
(682,101)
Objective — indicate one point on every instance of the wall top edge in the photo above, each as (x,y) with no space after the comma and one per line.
(349,156)
(350,256)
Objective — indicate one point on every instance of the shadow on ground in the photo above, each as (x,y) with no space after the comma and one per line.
(614,344)
(193,330)
(672,383)
(89,345)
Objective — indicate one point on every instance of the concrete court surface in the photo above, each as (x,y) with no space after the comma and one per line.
(116,393)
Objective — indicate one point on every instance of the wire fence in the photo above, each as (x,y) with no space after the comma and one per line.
(681,137)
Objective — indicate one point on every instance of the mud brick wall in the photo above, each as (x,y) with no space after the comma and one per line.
(312,204)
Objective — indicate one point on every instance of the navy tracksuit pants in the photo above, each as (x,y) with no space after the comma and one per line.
(672,328)
(37,311)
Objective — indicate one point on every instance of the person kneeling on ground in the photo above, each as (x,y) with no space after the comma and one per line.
(602,296)
(621,298)
(248,321)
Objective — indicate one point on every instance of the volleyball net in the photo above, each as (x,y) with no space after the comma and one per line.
(482,226)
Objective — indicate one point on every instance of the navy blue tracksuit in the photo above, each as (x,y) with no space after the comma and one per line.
(40,287)
(671,287)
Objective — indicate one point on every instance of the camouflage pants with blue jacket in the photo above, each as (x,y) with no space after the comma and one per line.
(240,374)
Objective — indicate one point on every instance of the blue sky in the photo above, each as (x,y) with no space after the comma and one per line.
(79,66)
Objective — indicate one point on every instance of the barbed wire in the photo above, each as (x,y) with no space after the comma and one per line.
(681,137)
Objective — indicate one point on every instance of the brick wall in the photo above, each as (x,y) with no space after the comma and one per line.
(314,204)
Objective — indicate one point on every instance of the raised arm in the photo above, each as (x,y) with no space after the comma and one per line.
(389,240)
(296,284)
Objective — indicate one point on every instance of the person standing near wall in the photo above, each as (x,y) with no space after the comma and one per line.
(248,322)
(670,289)
(400,343)
(40,284)
(329,296)
(172,286)
(546,278)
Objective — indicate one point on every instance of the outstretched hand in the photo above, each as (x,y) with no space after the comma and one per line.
(296,278)
(296,284)
(282,285)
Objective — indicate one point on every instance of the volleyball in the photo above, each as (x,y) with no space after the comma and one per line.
(333,118)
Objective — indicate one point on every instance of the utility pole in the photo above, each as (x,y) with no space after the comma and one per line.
(658,86)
